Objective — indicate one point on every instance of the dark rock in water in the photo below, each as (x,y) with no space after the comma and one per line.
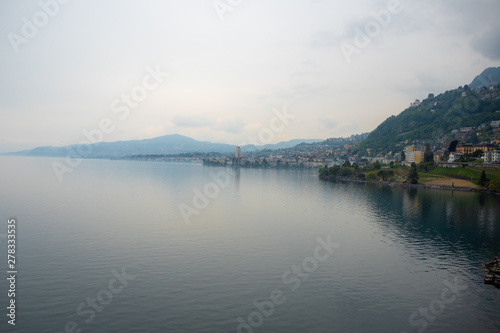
(492,272)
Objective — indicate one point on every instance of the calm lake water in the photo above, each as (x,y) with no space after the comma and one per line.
(250,261)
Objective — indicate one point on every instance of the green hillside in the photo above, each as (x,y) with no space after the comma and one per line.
(436,117)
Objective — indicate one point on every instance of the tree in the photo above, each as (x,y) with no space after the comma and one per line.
(426,166)
(332,171)
(384,174)
(473,138)
(345,172)
(478,153)
(453,146)
(377,165)
(446,156)
(483,180)
(428,154)
(413,175)
(403,156)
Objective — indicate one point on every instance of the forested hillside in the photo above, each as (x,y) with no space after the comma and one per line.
(434,119)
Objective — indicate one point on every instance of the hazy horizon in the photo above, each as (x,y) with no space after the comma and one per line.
(232,144)
(215,72)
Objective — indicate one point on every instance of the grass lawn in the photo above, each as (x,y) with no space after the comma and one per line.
(466,173)
(467,177)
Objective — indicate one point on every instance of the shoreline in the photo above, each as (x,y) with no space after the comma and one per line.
(408,185)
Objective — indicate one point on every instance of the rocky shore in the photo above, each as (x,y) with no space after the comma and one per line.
(492,272)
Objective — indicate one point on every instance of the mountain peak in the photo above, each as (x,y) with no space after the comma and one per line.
(483,79)
(166,144)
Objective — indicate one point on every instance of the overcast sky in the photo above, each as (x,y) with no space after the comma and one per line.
(230,63)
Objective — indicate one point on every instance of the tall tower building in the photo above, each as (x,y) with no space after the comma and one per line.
(237,155)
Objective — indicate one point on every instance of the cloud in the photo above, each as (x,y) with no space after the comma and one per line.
(329,123)
(423,82)
(334,126)
(226,78)
(154,130)
(230,125)
(325,38)
(192,121)
(303,91)
(377,20)
(488,44)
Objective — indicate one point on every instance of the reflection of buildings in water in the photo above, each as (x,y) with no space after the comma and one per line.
(475,210)
(491,220)
(456,208)
(449,208)
(237,176)
(411,203)
(448,220)
(488,214)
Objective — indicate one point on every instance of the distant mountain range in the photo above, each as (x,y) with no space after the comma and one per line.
(168,144)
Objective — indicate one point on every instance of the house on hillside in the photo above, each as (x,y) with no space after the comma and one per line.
(454,157)
(416,156)
(492,157)
(468,149)
(438,155)
(416,103)
(414,153)
(413,148)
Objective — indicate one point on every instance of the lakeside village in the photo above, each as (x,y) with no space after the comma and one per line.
(337,158)
(474,166)
(333,153)
(460,153)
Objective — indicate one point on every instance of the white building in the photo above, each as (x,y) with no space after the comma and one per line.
(454,157)
(416,103)
(492,156)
